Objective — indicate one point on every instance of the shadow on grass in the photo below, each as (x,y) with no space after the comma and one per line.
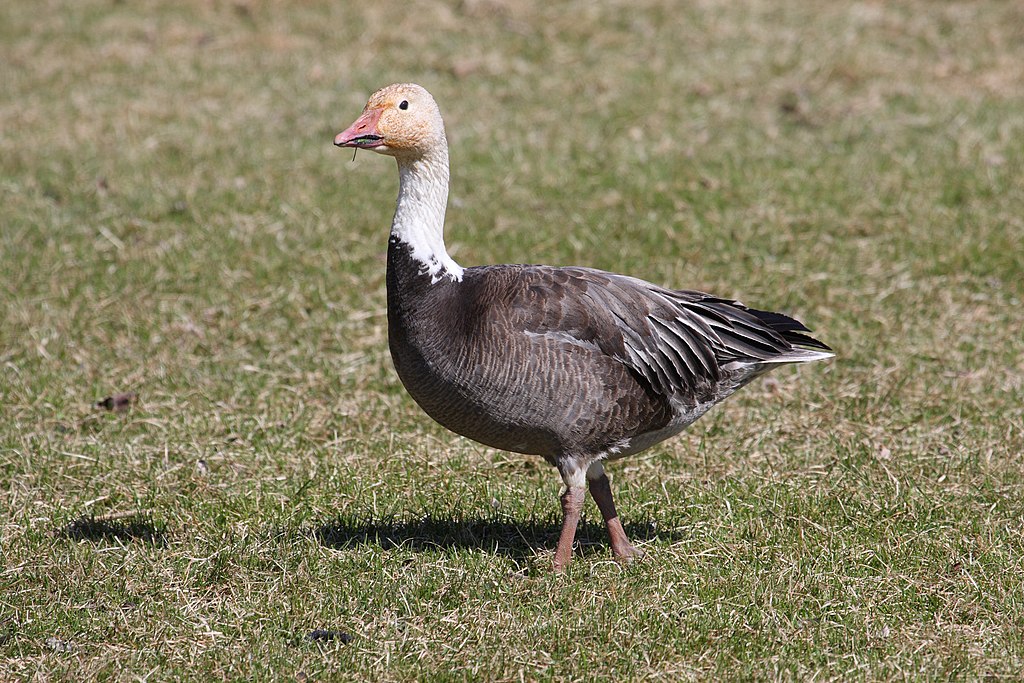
(518,540)
(125,530)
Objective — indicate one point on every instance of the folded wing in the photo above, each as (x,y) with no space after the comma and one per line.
(678,342)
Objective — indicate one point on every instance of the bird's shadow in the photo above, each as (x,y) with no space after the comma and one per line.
(132,529)
(517,539)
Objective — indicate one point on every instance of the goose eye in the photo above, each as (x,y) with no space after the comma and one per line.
(403,105)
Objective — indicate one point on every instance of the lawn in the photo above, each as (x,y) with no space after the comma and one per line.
(271,505)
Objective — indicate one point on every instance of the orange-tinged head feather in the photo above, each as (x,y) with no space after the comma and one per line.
(409,120)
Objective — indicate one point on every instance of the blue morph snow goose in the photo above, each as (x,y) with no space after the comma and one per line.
(576,365)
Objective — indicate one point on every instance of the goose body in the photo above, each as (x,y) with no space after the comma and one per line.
(573,364)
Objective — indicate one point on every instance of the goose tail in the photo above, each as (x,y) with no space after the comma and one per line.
(805,347)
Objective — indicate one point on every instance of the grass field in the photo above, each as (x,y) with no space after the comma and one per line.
(176,223)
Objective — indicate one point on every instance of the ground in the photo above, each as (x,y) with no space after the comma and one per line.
(270,504)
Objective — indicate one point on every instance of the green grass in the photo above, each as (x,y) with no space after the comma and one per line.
(175,222)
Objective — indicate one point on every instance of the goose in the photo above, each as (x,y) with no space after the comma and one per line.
(576,365)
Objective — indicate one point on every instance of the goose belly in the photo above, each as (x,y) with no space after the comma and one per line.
(543,403)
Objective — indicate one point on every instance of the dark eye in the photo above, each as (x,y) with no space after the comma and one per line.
(403,105)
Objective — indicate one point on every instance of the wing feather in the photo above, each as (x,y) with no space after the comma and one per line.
(677,341)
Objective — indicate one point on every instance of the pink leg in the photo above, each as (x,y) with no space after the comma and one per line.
(601,490)
(572,507)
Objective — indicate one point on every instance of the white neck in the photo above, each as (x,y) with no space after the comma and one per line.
(419,215)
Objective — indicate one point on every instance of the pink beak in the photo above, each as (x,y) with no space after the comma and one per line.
(363,133)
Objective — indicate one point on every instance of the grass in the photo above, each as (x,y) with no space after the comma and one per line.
(177,224)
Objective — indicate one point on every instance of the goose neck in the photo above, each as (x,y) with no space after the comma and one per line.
(419,214)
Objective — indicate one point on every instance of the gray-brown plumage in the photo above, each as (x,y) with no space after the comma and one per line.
(576,365)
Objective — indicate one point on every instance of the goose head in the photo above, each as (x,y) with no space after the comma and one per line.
(401,120)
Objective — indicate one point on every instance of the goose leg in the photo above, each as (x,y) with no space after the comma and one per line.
(601,490)
(572,507)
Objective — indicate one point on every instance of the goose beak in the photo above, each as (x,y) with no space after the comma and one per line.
(363,133)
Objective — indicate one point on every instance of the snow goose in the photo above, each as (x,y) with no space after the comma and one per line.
(576,365)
